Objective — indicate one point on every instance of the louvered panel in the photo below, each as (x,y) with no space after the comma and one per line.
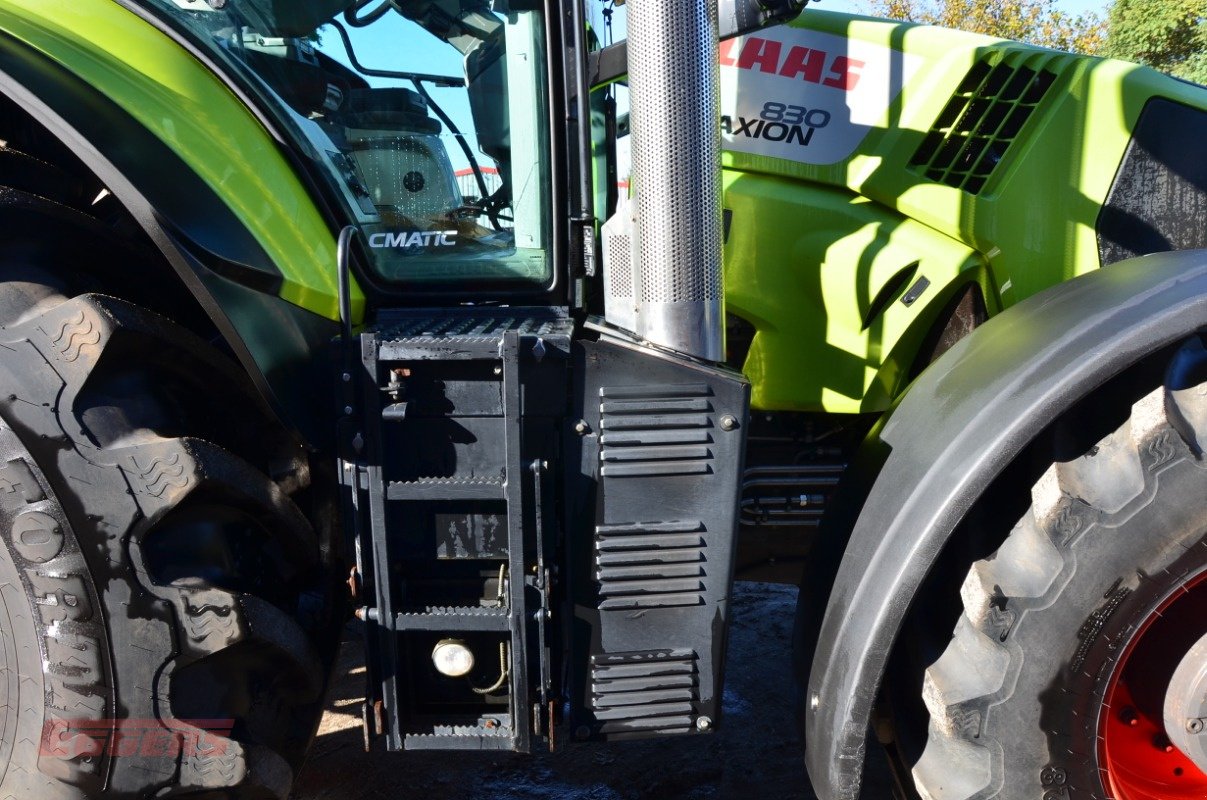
(655,431)
(661,441)
(652,565)
(644,692)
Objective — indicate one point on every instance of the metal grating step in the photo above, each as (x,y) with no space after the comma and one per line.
(486,326)
(455,337)
(461,737)
(455,620)
(447,489)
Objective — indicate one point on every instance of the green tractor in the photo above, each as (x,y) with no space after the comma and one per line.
(521,339)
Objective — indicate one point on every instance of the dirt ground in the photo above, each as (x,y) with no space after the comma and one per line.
(755,754)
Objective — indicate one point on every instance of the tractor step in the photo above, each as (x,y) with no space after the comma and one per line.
(496,740)
(447,620)
(447,489)
(458,336)
(461,413)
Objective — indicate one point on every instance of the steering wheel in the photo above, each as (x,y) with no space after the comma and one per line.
(357,20)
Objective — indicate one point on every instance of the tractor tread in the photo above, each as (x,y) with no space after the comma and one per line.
(112,488)
(1071,500)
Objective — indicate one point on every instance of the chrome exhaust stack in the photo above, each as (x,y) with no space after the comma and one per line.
(676,143)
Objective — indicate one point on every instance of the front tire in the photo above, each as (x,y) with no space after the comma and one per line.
(166,621)
(1028,698)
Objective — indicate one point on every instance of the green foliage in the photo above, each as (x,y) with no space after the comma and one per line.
(1035,21)
(1170,35)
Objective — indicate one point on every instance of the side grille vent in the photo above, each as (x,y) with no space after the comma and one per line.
(975,130)
(649,692)
(650,565)
(650,431)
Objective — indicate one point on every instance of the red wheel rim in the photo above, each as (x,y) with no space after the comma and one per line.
(1138,761)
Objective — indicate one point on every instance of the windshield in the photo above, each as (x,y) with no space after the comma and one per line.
(428,116)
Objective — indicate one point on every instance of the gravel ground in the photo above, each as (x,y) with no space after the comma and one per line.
(755,754)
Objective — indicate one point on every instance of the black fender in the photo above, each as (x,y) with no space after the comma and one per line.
(957,427)
(282,347)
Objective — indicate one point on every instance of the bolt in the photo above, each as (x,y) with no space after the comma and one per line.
(1194,726)
(498,370)
(704,723)
(1128,716)
(814,701)
(348,410)
(490,723)
(581,427)
(729,422)
(1162,743)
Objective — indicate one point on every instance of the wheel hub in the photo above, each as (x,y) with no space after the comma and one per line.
(1186,705)
(1153,745)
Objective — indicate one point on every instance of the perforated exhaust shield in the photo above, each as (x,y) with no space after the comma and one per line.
(677,173)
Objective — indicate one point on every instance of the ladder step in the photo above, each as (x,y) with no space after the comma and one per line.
(480,739)
(452,348)
(470,619)
(448,489)
(427,527)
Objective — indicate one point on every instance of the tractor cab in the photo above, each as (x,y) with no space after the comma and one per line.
(427,120)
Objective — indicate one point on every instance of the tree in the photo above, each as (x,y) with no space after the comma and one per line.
(1170,35)
(1035,21)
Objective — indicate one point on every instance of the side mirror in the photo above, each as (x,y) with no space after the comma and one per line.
(737,17)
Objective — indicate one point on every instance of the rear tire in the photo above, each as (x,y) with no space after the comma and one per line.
(1019,700)
(166,620)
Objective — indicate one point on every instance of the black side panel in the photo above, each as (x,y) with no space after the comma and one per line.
(653,487)
(960,424)
(211,252)
(1158,202)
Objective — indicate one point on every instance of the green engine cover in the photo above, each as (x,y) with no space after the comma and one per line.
(874,170)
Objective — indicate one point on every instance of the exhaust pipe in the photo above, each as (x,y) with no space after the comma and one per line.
(676,142)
